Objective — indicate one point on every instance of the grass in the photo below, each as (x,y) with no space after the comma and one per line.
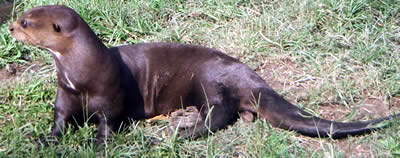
(330,57)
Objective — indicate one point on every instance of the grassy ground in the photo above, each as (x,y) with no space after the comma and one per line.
(336,58)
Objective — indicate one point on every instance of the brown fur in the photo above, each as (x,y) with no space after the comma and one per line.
(144,80)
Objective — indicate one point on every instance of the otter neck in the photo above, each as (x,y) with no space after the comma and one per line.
(86,54)
(86,42)
(82,45)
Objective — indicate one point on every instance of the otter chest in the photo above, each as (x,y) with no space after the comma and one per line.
(65,80)
(64,76)
(69,82)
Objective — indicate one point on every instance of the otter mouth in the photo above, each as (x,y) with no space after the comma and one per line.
(24,38)
(27,42)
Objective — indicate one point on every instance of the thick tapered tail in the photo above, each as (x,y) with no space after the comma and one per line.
(280,113)
(317,127)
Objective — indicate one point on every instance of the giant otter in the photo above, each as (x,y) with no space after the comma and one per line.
(118,84)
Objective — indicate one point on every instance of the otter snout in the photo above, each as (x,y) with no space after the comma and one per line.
(11,27)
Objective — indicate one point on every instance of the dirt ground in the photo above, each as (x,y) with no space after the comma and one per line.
(5,10)
(12,71)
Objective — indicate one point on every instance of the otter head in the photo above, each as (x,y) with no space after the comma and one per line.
(50,27)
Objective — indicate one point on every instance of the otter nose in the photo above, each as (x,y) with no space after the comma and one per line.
(11,27)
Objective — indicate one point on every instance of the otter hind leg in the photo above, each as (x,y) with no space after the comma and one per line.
(218,109)
(246,116)
(207,121)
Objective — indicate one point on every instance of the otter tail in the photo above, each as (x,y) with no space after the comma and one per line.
(280,113)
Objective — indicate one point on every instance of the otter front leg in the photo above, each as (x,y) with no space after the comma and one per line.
(109,115)
(66,105)
(106,127)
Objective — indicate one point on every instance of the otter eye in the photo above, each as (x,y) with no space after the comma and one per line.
(24,23)
(56,28)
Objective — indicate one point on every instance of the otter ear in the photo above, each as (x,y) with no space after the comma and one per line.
(56,28)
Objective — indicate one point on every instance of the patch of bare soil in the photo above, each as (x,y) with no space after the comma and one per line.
(352,149)
(282,67)
(281,73)
(349,147)
(333,111)
(11,71)
(370,108)
(5,10)
(8,72)
(373,106)
(395,102)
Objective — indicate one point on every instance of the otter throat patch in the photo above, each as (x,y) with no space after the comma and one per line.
(70,84)
(55,53)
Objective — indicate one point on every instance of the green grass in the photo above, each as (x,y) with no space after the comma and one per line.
(318,54)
